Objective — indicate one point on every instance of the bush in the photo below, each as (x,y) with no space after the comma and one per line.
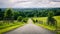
(19,18)
(33,20)
(25,20)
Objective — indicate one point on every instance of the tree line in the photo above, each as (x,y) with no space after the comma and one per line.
(14,13)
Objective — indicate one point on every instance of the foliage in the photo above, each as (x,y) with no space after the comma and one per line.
(28,12)
(16,15)
(19,18)
(35,21)
(22,15)
(44,19)
(8,14)
(51,20)
(8,27)
(50,14)
(25,20)
(1,14)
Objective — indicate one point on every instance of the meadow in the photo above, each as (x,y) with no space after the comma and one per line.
(43,23)
(5,27)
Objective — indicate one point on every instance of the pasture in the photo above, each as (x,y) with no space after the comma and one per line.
(43,23)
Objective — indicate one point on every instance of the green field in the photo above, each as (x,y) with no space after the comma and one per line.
(44,23)
(5,27)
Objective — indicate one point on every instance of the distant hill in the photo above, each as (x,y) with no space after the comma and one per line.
(31,9)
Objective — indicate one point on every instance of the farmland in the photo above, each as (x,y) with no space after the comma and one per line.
(44,23)
(11,18)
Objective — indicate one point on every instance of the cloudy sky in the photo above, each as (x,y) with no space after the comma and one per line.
(29,3)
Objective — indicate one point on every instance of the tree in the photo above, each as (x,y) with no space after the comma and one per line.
(51,20)
(50,14)
(1,14)
(8,14)
(16,15)
(19,18)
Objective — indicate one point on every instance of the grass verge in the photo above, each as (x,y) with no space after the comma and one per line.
(11,28)
(47,27)
(44,20)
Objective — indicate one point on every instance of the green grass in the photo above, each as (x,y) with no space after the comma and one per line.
(44,19)
(10,26)
(48,27)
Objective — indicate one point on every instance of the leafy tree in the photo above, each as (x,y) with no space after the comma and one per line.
(29,13)
(50,17)
(8,14)
(1,14)
(50,14)
(0,9)
(19,18)
(16,15)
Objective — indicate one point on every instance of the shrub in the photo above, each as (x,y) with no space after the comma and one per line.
(33,20)
(25,20)
(19,18)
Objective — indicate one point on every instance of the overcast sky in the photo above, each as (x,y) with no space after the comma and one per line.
(29,3)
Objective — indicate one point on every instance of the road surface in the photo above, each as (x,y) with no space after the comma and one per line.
(30,28)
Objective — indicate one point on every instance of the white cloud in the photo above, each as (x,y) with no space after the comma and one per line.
(55,0)
(28,3)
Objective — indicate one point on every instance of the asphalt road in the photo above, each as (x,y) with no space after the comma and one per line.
(30,28)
